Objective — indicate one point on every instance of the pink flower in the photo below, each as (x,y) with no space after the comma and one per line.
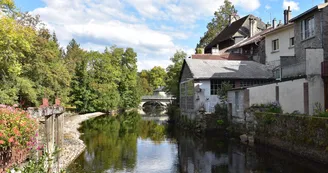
(2,142)
(11,139)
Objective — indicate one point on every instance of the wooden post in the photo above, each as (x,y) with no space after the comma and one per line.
(60,130)
(49,134)
(306,97)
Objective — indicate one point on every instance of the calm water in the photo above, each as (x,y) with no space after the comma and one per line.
(131,144)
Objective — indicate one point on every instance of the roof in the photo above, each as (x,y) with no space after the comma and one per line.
(214,69)
(256,38)
(228,32)
(279,28)
(317,7)
(232,29)
(224,56)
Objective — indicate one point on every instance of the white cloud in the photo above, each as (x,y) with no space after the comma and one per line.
(293,5)
(247,5)
(140,24)
(268,7)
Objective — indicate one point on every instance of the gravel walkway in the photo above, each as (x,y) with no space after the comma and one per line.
(73,145)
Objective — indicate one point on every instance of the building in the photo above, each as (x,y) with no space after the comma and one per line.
(298,49)
(279,46)
(235,32)
(200,80)
(253,47)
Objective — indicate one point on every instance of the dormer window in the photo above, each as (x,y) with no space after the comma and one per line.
(308,28)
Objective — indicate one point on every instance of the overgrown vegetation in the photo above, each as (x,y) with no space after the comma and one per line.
(273,107)
(318,110)
(221,109)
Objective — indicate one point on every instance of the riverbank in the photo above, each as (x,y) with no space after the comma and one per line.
(73,145)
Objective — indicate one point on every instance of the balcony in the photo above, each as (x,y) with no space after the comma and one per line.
(324,69)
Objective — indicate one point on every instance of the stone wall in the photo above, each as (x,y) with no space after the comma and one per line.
(302,135)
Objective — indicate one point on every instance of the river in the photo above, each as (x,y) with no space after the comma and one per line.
(132,143)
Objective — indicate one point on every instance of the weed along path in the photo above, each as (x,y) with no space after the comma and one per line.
(73,146)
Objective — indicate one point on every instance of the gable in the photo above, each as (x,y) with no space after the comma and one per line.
(186,73)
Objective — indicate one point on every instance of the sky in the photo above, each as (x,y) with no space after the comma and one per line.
(155,29)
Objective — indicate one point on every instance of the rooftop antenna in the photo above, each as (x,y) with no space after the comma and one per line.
(270,15)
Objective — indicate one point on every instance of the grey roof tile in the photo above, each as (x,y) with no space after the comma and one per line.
(206,69)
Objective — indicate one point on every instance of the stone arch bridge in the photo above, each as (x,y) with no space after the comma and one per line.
(160,100)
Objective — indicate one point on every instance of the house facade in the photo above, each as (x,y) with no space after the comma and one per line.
(279,45)
(200,80)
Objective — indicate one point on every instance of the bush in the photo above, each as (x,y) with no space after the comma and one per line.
(17,128)
(273,107)
(17,136)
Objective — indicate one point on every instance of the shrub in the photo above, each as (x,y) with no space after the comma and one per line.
(17,128)
(273,107)
(220,122)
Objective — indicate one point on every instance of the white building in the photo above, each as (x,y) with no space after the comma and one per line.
(279,42)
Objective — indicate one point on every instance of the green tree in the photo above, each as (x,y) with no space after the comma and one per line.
(218,23)
(81,92)
(104,82)
(46,68)
(128,84)
(173,73)
(73,55)
(157,77)
(145,87)
(16,41)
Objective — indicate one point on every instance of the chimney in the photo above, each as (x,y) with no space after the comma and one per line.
(274,21)
(285,17)
(252,27)
(289,15)
(280,23)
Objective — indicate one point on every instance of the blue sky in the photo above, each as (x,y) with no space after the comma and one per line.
(154,28)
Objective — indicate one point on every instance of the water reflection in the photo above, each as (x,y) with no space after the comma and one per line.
(128,143)
(125,144)
(217,154)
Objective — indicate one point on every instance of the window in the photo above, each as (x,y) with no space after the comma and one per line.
(277,73)
(275,45)
(307,28)
(216,85)
(291,42)
(187,95)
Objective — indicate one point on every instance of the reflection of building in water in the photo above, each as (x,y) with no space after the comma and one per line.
(198,156)
(196,159)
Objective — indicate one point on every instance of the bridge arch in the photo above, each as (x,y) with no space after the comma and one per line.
(153,102)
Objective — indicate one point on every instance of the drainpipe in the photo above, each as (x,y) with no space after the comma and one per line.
(321,23)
